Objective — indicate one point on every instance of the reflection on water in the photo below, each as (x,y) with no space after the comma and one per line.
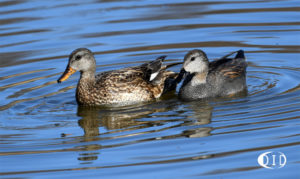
(129,120)
(43,133)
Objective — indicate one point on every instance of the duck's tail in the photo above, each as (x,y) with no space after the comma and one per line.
(240,54)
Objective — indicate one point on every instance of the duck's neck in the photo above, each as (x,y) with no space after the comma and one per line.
(84,87)
(86,82)
(199,78)
(88,76)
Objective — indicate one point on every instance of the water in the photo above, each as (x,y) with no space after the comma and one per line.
(44,134)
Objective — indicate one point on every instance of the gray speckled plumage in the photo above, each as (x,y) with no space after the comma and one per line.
(124,86)
(204,79)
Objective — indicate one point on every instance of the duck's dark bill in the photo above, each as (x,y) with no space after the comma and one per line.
(68,72)
(181,75)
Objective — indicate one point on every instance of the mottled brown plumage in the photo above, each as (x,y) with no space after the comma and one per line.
(128,85)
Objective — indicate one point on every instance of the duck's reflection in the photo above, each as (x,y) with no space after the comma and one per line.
(201,115)
(127,117)
(195,116)
(89,121)
(118,117)
(89,153)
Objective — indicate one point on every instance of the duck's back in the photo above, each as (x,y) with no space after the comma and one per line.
(228,75)
(125,85)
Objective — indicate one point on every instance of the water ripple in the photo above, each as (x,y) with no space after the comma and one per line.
(45,133)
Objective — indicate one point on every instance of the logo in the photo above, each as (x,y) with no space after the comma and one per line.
(272,160)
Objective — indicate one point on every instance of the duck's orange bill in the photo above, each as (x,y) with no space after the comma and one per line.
(68,72)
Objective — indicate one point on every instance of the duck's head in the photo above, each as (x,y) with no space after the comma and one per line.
(195,61)
(81,59)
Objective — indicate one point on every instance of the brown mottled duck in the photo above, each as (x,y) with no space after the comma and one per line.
(124,86)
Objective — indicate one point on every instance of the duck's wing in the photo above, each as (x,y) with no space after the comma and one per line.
(131,76)
(152,74)
(229,68)
(121,76)
(152,69)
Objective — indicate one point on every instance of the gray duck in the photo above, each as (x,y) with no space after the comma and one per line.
(219,78)
(124,86)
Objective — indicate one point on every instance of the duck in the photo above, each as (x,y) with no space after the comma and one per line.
(202,79)
(129,85)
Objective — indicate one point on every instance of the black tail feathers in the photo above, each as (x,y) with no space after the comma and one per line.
(162,58)
(240,54)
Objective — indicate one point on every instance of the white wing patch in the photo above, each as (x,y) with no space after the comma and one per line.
(153,76)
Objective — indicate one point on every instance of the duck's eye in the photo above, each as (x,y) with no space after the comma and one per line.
(78,57)
(193,58)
